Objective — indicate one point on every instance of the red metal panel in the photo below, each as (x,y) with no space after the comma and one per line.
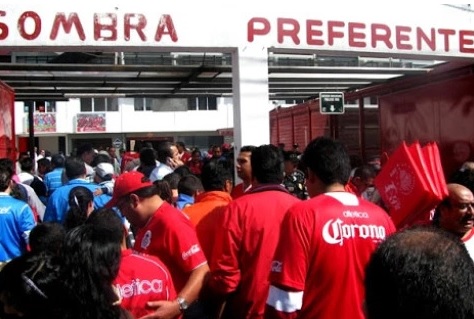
(441,112)
(7,123)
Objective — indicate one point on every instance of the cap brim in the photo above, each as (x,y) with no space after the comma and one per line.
(112,203)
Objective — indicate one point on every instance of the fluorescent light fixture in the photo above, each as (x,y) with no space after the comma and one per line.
(79,95)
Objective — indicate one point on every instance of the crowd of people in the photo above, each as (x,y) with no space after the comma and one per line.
(168,232)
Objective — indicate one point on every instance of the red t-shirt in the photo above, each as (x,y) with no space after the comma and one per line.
(239,190)
(170,236)
(324,246)
(142,278)
(244,246)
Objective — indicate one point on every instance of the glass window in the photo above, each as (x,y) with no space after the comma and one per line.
(99,105)
(202,103)
(51,106)
(192,104)
(112,104)
(138,103)
(86,105)
(212,103)
(149,104)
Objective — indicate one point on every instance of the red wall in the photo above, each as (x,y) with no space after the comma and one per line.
(442,112)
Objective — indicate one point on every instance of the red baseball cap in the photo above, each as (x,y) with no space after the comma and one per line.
(127,183)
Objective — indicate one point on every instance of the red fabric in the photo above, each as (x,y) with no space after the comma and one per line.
(404,186)
(127,183)
(206,214)
(324,246)
(185,157)
(239,190)
(170,236)
(351,188)
(142,278)
(244,247)
(127,157)
(195,167)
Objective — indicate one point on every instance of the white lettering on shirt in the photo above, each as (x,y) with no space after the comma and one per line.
(140,287)
(5,210)
(354,214)
(191,251)
(335,231)
(146,240)
(276,266)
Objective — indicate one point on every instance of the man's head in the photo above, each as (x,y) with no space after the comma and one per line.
(420,273)
(267,165)
(181,147)
(58,160)
(86,153)
(291,161)
(74,168)
(243,165)
(26,165)
(112,152)
(103,172)
(215,176)
(6,174)
(44,166)
(47,237)
(190,185)
(136,197)
(456,213)
(216,151)
(364,177)
(327,162)
(107,218)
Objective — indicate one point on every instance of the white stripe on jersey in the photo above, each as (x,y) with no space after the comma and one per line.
(285,301)
(347,199)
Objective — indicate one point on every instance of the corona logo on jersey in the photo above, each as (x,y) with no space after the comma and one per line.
(191,251)
(140,287)
(336,231)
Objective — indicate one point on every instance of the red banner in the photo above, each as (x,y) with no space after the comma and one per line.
(90,122)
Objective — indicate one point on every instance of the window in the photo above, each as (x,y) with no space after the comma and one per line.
(143,104)
(202,103)
(99,105)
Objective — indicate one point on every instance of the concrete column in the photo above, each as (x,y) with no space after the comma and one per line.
(250,97)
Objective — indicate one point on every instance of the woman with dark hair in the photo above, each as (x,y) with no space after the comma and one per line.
(81,204)
(91,257)
(28,286)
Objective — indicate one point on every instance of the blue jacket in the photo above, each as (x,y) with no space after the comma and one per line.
(16,222)
(184,200)
(58,202)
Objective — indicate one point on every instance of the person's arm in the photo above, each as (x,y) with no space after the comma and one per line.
(190,293)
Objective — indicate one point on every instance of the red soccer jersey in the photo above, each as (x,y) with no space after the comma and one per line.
(324,247)
(244,246)
(170,236)
(142,278)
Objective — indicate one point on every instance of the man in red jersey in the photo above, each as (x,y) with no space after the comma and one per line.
(325,243)
(244,171)
(165,232)
(247,238)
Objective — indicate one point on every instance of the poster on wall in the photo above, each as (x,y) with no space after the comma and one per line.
(90,123)
(43,123)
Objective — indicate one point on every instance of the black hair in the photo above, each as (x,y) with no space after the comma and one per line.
(109,219)
(74,167)
(26,164)
(267,164)
(79,200)
(100,158)
(183,170)
(91,263)
(328,160)
(420,272)
(7,164)
(47,236)
(365,171)
(181,143)
(463,177)
(146,192)
(84,148)
(5,178)
(189,184)
(44,162)
(247,148)
(172,179)
(29,284)
(147,157)
(291,156)
(58,160)
(214,176)
(164,190)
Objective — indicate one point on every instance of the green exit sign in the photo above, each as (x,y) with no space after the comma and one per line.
(331,102)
